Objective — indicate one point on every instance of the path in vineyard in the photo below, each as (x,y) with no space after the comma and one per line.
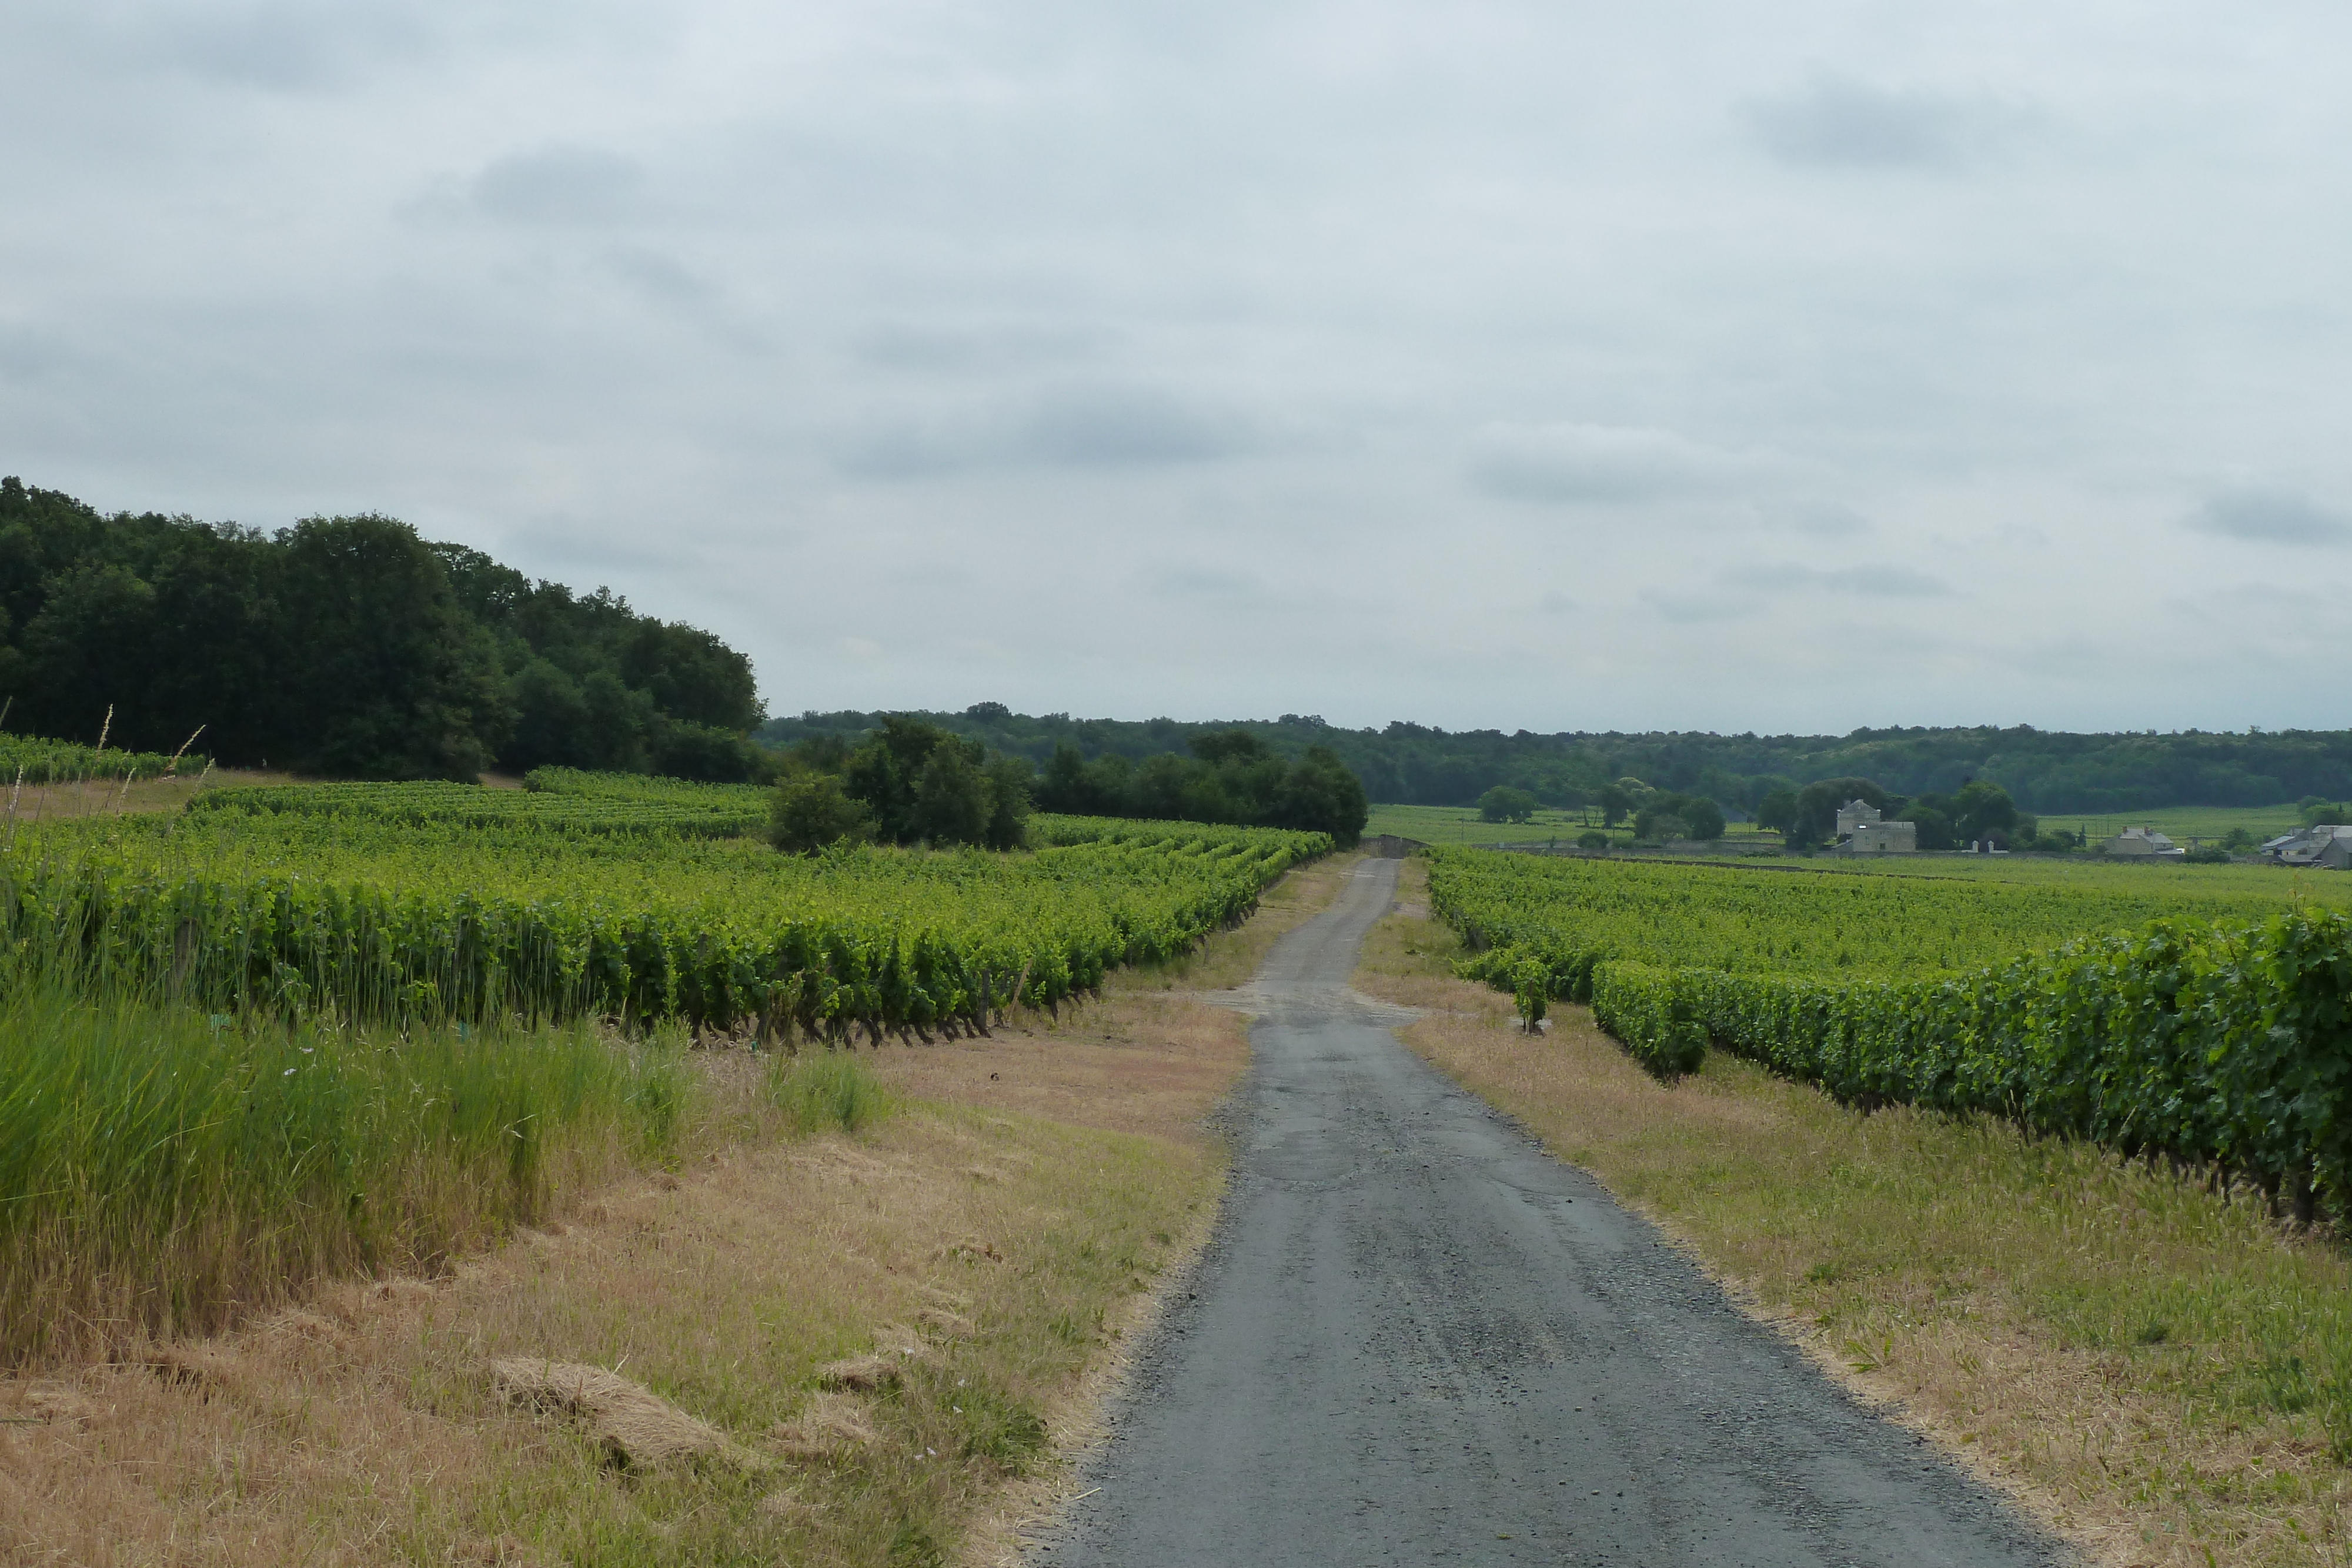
(1417,1338)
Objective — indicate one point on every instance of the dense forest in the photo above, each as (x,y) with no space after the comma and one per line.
(347,646)
(1414,764)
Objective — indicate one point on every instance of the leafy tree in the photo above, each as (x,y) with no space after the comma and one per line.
(951,797)
(917,783)
(1616,803)
(1504,804)
(1670,816)
(812,811)
(1934,828)
(347,645)
(1008,803)
(395,680)
(1229,745)
(1778,811)
(1982,810)
(1320,794)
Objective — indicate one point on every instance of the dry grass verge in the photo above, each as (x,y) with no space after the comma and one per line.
(2165,1378)
(982,1255)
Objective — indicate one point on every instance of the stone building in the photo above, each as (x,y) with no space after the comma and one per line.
(2328,844)
(1863,830)
(1883,838)
(2144,841)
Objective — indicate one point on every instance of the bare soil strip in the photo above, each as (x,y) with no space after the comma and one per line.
(1417,1337)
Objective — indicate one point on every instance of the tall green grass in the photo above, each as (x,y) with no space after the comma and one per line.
(826,1092)
(163,1169)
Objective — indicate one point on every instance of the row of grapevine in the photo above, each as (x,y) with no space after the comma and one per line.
(373,915)
(437,803)
(2226,1041)
(29,760)
(577,781)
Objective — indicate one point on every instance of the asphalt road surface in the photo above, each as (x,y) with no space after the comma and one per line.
(1417,1338)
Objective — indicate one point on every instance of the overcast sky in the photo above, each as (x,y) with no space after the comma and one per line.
(1546,365)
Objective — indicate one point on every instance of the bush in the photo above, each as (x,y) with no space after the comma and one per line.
(1592,839)
(814,811)
(1504,804)
(1679,817)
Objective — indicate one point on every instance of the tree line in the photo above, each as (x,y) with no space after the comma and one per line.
(1410,764)
(348,647)
(910,781)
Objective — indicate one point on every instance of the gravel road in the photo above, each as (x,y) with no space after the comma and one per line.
(1417,1338)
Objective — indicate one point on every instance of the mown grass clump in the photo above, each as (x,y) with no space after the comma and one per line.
(162,1167)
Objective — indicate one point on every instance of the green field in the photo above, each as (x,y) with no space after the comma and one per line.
(1460,825)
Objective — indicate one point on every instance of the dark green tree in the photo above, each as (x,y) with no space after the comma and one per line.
(811,812)
(1504,804)
(1983,810)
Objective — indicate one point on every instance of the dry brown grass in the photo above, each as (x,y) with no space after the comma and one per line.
(2145,1367)
(369,1426)
(108,797)
(993,1242)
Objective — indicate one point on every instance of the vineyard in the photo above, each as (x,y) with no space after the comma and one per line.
(2206,1021)
(608,897)
(569,804)
(29,760)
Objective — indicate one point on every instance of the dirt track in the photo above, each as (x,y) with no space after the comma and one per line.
(1417,1338)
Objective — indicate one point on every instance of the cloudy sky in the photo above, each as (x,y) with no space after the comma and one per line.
(1548,364)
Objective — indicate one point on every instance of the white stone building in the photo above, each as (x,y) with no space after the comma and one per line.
(2145,842)
(1863,830)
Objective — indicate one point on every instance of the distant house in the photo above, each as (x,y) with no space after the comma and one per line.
(2144,841)
(1862,830)
(1883,838)
(2328,844)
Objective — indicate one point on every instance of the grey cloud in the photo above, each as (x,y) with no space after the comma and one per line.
(1822,519)
(1839,122)
(1200,583)
(558,185)
(1697,608)
(1128,424)
(1070,428)
(1604,463)
(901,346)
(658,277)
(714,282)
(289,46)
(2266,516)
(1869,581)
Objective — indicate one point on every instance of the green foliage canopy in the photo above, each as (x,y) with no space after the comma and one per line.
(347,646)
